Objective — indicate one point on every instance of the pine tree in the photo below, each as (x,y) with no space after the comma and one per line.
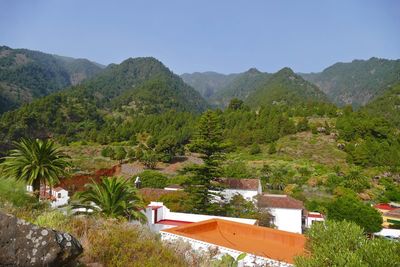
(209,143)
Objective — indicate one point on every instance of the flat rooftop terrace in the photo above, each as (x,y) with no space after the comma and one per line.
(261,241)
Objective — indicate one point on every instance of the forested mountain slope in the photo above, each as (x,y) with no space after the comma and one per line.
(285,87)
(240,87)
(26,75)
(208,83)
(386,105)
(357,82)
(138,86)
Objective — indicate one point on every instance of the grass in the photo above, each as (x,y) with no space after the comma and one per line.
(87,158)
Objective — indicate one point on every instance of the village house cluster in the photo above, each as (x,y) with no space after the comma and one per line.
(263,246)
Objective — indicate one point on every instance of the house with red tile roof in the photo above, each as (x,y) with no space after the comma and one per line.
(288,212)
(57,196)
(247,188)
(263,246)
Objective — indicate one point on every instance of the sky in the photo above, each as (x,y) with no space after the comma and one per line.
(226,36)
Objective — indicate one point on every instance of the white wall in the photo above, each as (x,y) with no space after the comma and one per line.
(163,213)
(246,194)
(201,246)
(287,219)
(311,220)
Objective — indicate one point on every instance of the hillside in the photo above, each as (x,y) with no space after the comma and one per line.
(208,83)
(26,75)
(240,87)
(136,87)
(357,82)
(386,105)
(285,87)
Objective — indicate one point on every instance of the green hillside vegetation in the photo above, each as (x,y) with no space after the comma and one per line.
(357,82)
(240,87)
(208,83)
(143,86)
(287,88)
(26,75)
(387,105)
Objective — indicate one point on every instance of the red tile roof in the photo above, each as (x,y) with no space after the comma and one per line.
(243,184)
(315,215)
(279,201)
(174,222)
(384,206)
(58,189)
(257,240)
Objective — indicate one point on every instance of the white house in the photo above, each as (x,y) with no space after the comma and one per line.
(159,217)
(248,188)
(59,196)
(287,211)
(312,217)
(263,246)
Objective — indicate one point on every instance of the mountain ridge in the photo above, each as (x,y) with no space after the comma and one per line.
(26,75)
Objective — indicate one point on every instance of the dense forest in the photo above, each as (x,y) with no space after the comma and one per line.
(26,75)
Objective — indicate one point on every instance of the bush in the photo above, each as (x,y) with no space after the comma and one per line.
(14,192)
(344,244)
(272,148)
(153,179)
(177,201)
(237,169)
(108,152)
(255,149)
(352,209)
(126,245)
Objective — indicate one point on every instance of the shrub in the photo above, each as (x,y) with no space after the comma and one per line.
(237,169)
(126,245)
(344,244)
(272,148)
(177,201)
(108,152)
(153,179)
(255,149)
(14,192)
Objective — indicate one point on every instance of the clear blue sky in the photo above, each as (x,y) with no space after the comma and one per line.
(224,36)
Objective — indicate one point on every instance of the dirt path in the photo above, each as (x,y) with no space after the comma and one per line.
(130,169)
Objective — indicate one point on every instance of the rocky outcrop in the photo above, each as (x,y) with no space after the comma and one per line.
(25,244)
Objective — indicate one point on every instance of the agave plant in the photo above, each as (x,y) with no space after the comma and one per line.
(113,197)
(38,162)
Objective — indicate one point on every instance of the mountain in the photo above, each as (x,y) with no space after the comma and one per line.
(137,86)
(240,87)
(26,75)
(207,83)
(358,82)
(284,87)
(386,105)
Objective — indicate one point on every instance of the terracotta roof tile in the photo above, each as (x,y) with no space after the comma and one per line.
(279,201)
(243,184)
(58,189)
(257,240)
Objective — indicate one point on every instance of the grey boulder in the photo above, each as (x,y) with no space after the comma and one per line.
(25,244)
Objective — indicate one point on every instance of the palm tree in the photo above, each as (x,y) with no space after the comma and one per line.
(113,197)
(37,162)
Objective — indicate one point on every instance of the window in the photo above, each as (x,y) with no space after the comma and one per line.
(59,195)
